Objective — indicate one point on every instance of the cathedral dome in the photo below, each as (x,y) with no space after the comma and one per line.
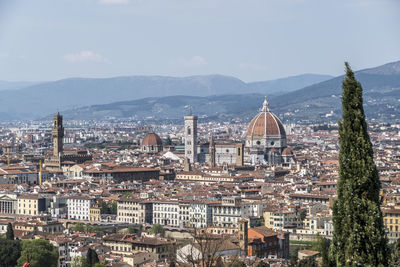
(287,152)
(152,139)
(265,123)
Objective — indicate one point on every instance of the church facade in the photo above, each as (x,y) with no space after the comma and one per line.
(264,144)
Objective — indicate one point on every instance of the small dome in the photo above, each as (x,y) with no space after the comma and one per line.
(265,123)
(152,139)
(287,152)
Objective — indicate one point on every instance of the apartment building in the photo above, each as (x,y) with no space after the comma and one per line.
(79,207)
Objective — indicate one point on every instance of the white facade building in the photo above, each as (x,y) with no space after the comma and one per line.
(200,215)
(79,207)
(166,213)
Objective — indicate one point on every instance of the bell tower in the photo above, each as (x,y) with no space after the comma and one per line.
(191,137)
(243,236)
(212,152)
(58,134)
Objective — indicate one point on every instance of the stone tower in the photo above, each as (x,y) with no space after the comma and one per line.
(240,154)
(58,135)
(212,152)
(191,138)
(243,235)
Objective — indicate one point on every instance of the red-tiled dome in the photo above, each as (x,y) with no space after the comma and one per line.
(265,123)
(152,139)
(287,152)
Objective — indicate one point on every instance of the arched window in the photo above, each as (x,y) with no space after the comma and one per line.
(189,131)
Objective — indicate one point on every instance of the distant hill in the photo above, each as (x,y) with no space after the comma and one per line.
(285,85)
(5,85)
(381,96)
(38,100)
(172,108)
(315,103)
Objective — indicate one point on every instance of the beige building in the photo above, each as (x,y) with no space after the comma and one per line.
(138,258)
(94,213)
(392,222)
(276,219)
(39,226)
(209,178)
(31,205)
(131,210)
(123,244)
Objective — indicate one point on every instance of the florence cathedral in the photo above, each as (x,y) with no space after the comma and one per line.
(265,143)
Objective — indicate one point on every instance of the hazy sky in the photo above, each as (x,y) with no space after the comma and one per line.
(250,39)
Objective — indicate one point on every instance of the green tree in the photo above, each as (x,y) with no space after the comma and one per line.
(395,258)
(79,227)
(91,257)
(322,246)
(10,232)
(307,262)
(157,229)
(127,195)
(130,230)
(172,264)
(41,253)
(88,228)
(10,251)
(168,141)
(79,262)
(359,234)
(294,258)
(114,207)
(104,207)
(99,265)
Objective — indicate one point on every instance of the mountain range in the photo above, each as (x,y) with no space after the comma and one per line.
(318,102)
(37,100)
(302,98)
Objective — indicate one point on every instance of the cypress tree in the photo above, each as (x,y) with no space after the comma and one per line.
(359,234)
(91,257)
(10,232)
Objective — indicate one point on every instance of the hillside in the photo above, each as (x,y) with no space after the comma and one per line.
(172,108)
(381,96)
(316,103)
(38,100)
